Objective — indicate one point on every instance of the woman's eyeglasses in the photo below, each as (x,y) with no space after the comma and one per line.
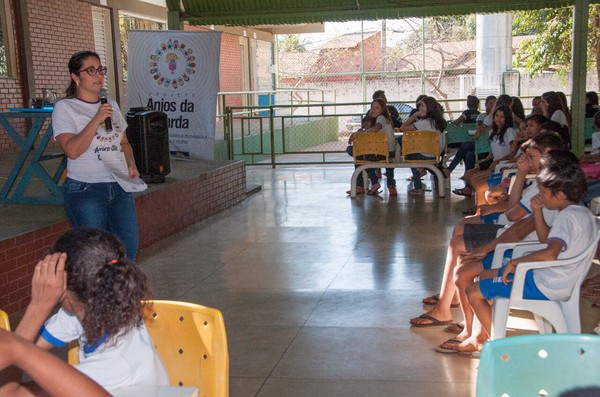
(92,70)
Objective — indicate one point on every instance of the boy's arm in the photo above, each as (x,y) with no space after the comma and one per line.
(541,227)
(519,183)
(51,375)
(547,254)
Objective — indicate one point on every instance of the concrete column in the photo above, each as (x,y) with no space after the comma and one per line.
(494,52)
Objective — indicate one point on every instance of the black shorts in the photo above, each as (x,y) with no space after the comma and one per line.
(476,235)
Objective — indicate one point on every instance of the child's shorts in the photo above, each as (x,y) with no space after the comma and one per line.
(491,219)
(494,287)
(494,180)
(487,261)
(477,234)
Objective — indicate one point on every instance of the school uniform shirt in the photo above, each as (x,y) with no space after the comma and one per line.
(502,149)
(560,117)
(575,228)
(596,142)
(71,115)
(388,128)
(427,125)
(129,359)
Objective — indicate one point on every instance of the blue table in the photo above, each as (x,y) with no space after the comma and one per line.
(28,163)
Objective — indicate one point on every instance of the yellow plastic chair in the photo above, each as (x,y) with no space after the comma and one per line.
(191,342)
(4,322)
(424,142)
(370,147)
(539,365)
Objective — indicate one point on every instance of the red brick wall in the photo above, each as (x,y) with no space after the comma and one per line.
(58,28)
(231,68)
(230,73)
(159,216)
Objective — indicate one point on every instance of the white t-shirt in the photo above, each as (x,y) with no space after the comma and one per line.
(596,142)
(575,228)
(71,116)
(502,149)
(560,117)
(132,360)
(388,128)
(488,120)
(427,125)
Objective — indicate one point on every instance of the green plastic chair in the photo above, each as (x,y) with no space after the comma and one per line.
(538,365)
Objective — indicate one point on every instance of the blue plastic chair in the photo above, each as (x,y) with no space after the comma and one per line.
(538,365)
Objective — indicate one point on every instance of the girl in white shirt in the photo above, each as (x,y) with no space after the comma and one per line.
(428,117)
(100,292)
(382,121)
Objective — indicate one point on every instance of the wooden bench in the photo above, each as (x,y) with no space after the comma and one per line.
(370,145)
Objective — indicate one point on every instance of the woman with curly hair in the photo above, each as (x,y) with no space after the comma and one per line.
(101,294)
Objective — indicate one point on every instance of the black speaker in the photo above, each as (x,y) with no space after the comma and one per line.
(148,134)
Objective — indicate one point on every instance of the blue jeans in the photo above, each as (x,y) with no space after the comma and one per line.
(465,152)
(417,183)
(370,172)
(103,206)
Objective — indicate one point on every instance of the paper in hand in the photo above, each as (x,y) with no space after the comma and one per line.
(117,165)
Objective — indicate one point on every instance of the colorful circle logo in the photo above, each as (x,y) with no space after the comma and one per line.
(172,64)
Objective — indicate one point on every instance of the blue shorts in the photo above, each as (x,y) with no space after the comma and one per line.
(487,261)
(491,219)
(494,180)
(494,287)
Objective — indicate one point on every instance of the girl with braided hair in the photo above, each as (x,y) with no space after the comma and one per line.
(101,294)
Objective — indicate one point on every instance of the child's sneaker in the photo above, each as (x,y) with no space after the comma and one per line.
(392,190)
(359,190)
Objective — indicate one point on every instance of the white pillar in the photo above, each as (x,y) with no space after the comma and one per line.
(494,52)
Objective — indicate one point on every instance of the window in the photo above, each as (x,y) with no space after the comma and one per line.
(129,22)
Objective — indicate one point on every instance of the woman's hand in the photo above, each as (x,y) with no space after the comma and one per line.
(351,138)
(507,270)
(49,282)
(133,171)
(104,111)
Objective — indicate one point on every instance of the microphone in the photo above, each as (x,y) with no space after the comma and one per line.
(107,122)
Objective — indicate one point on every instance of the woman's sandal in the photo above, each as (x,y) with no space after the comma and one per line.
(433,300)
(374,190)
(455,328)
(462,192)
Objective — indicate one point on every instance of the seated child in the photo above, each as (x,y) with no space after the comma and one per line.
(562,185)
(101,295)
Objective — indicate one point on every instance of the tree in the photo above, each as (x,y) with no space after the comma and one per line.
(550,46)
(441,29)
(291,43)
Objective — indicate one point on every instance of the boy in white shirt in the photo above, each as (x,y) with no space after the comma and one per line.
(562,185)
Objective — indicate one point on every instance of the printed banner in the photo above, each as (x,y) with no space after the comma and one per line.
(177,72)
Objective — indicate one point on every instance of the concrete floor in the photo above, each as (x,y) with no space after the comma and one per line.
(317,289)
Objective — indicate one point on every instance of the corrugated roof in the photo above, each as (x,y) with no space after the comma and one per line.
(272,12)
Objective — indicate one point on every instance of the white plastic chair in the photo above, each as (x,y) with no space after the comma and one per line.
(562,315)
